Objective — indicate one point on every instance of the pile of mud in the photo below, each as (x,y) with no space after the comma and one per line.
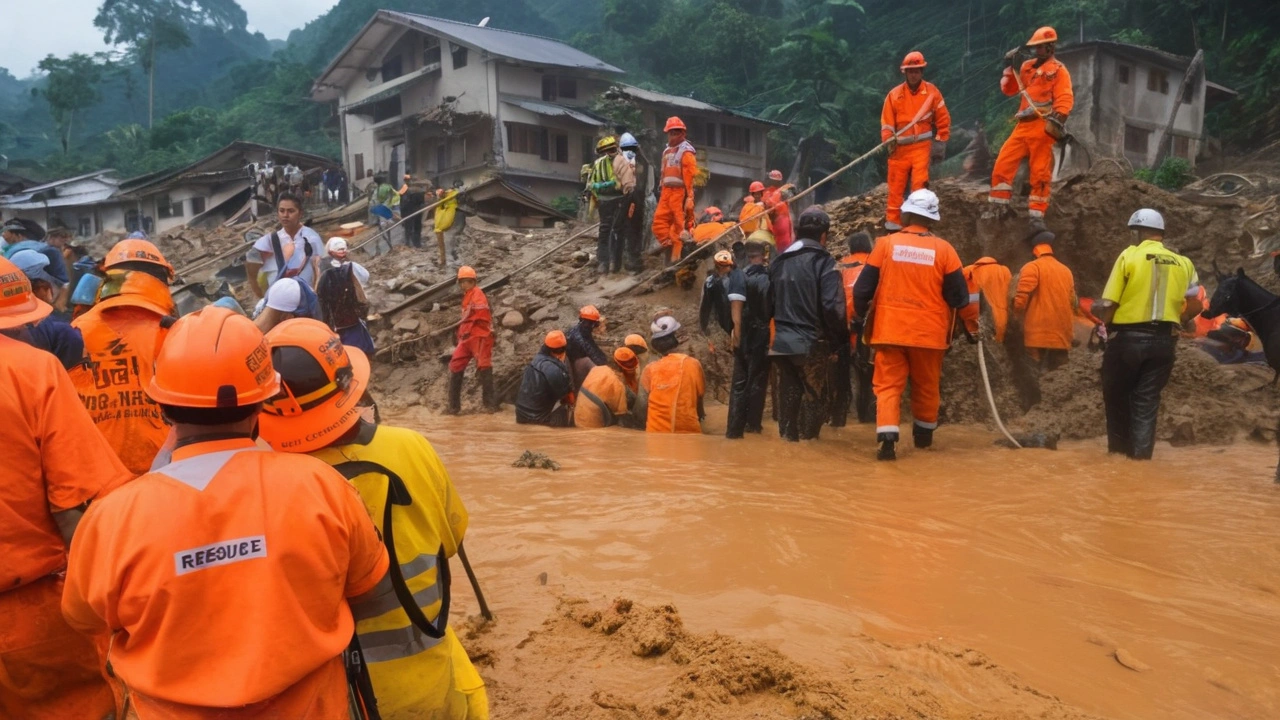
(621,659)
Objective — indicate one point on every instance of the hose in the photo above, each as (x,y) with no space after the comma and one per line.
(991,398)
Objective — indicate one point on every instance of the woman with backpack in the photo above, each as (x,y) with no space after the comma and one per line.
(343,303)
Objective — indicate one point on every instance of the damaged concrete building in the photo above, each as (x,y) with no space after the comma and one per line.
(463,104)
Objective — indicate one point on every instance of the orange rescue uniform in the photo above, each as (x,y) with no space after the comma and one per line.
(910,159)
(675,385)
(779,217)
(122,336)
(675,205)
(475,333)
(851,266)
(607,385)
(1049,86)
(55,460)
(235,562)
(911,328)
(993,280)
(753,217)
(1046,300)
(708,231)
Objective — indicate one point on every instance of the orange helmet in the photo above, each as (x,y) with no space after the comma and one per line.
(756,187)
(1238,323)
(135,250)
(914,59)
(321,383)
(136,288)
(636,343)
(674,123)
(213,358)
(18,306)
(466,272)
(556,341)
(626,358)
(589,312)
(714,213)
(1043,36)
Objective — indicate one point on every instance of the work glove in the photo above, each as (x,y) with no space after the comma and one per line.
(938,151)
(1011,57)
(893,144)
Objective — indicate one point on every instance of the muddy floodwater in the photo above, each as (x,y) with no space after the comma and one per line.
(1050,564)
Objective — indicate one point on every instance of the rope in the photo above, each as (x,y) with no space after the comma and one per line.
(991,398)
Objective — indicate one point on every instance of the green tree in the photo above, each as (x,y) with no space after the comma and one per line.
(72,85)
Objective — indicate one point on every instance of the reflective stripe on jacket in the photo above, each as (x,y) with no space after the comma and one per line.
(902,105)
(679,165)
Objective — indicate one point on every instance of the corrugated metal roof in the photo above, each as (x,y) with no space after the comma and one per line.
(97,174)
(24,201)
(547,109)
(506,43)
(393,88)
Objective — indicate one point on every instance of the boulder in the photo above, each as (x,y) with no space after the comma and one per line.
(543,313)
(512,319)
(409,324)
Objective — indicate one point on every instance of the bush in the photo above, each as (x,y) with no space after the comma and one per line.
(1173,174)
(566,204)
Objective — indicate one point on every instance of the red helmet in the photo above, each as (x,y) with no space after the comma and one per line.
(674,123)
(756,187)
(1043,36)
(914,59)
(775,175)
(466,272)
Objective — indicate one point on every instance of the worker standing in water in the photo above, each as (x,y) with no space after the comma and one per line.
(1045,305)
(546,388)
(416,670)
(1151,292)
(675,205)
(583,352)
(673,385)
(56,462)
(606,397)
(916,124)
(475,341)
(751,348)
(1046,100)
(853,361)
(222,578)
(916,282)
(123,333)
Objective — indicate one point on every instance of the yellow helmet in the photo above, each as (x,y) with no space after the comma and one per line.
(606,143)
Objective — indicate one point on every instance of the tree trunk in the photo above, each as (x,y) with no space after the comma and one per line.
(1164,141)
(66,138)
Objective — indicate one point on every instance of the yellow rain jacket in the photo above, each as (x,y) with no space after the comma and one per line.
(446,211)
(414,675)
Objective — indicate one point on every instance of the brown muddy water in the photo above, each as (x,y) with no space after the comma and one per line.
(1050,564)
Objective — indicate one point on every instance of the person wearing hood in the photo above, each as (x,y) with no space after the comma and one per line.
(809,321)
(546,388)
(123,334)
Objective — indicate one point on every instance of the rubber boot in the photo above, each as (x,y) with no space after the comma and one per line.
(922,437)
(486,389)
(455,394)
(887,440)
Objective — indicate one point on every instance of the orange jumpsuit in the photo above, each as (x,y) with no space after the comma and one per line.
(199,565)
(675,205)
(910,159)
(675,385)
(122,336)
(55,460)
(708,231)
(607,385)
(779,217)
(1049,86)
(850,268)
(993,280)
(911,327)
(475,334)
(1046,298)
(750,211)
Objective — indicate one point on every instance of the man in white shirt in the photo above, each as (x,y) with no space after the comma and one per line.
(299,245)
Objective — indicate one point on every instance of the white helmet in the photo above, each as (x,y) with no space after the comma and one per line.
(628,141)
(923,203)
(1147,218)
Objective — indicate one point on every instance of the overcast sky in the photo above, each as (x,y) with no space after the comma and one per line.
(37,28)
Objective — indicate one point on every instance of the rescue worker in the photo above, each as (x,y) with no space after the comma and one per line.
(751,317)
(606,397)
(546,388)
(55,463)
(17,237)
(723,294)
(1046,100)
(636,344)
(416,672)
(292,251)
(710,226)
(1044,305)
(634,204)
(445,214)
(123,334)
(809,326)
(753,215)
(611,182)
(341,294)
(475,341)
(775,198)
(412,200)
(853,362)
(675,205)
(1151,291)
(993,281)
(286,299)
(51,334)
(917,283)
(220,580)
(916,124)
(583,352)
(673,385)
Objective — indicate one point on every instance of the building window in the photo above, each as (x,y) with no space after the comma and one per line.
(430,51)
(588,149)
(1182,147)
(358,163)
(450,154)
(86,227)
(1122,74)
(527,139)
(167,209)
(386,109)
(197,205)
(459,54)
(1158,81)
(132,221)
(557,87)
(735,137)
(392,68)
(1136,140)
(561,148)
(710,139)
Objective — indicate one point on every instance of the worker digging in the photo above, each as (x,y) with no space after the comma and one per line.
(242,461)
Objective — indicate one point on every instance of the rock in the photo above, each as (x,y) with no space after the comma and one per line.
(435,307)
(1184,432)
(543,313)
(1124,658)
(580,258)
(537,461)
(395,298)
(512,319)
(409,324)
